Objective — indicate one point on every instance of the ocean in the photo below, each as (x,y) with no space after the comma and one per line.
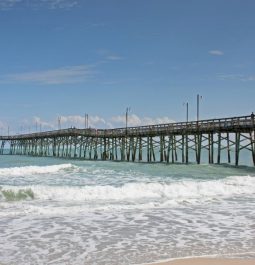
(60,211)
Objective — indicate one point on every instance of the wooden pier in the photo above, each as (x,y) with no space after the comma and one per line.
(214,140)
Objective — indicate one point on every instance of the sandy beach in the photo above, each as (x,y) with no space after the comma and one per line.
(208,261)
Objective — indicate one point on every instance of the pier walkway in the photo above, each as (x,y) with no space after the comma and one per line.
(217,139)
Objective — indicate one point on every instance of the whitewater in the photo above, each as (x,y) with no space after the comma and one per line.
(56,211)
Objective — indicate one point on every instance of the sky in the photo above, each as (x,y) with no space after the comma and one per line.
(65,58)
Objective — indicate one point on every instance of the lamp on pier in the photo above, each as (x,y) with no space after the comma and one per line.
(187,110)
(59,122)
(198,101)
(127,111)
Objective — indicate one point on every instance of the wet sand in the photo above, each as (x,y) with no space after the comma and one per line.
(208,261)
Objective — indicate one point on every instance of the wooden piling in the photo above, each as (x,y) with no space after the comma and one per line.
(237,148)
(228,149)
(219,148)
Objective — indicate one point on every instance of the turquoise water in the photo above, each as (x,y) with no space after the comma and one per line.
(56,211)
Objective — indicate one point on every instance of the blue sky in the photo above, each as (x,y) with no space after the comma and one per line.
(70,57)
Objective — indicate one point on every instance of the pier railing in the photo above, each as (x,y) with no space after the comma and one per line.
(203,126)
(223,125)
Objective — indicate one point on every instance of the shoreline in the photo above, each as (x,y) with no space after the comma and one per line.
(206,261)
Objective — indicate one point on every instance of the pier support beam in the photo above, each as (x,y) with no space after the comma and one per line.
(228,149)
(210,148)
(198,143)
(252,139)
(140,149)
(237,148)
(187,148)
(219,148)
(2,148)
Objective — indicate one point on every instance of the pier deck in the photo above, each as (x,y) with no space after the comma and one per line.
(152,143)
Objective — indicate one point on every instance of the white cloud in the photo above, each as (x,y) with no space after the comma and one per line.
(65,75)
(134,120)
(43,124)
(236,77)
(114,122)
(229,76)
(159,120)
(78,121)
(51,4)
(249,78)
(7,4)
(2,125)
(62,4)
(216,52)
(113,58)
(108,55)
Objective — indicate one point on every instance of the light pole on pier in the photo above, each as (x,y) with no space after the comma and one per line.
(59,122)
(86,121)
(198,101)
(187,110)
(127,111)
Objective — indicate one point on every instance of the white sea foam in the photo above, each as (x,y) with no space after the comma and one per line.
(178,191)
(30,170)
(125,213)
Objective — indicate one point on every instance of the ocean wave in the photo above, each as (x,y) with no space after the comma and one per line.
(16,195)
(30,170)
(178,191)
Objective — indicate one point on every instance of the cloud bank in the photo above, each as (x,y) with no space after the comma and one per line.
(37,123)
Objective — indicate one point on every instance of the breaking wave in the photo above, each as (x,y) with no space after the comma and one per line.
(16,195)
(30,170)
(179,191)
